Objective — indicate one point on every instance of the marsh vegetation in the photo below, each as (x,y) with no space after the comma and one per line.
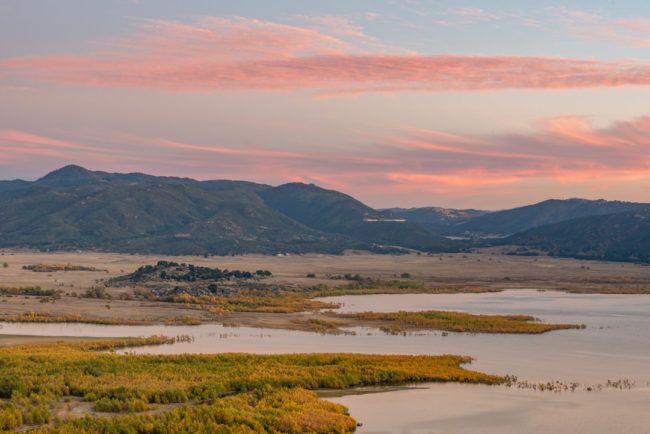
(396,322)
(230,392)
(47,317)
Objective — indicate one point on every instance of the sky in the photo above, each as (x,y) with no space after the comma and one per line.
(463,104)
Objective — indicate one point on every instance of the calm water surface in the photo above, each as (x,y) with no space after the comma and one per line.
(457,408)
(615,345)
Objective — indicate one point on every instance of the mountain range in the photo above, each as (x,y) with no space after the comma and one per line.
(76,208)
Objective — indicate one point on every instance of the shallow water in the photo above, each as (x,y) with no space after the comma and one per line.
(457,408)
(615,345)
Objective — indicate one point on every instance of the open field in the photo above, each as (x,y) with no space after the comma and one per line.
(162,402)
(488,269)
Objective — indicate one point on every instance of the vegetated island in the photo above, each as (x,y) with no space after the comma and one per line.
(331,322)
(46,386)
(397,322)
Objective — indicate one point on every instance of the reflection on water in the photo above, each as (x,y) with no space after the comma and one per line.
(456,408)
(615,345)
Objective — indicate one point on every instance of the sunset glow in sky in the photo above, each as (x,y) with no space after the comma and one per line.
(465,104)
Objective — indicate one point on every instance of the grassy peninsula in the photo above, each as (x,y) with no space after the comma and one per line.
(198,393)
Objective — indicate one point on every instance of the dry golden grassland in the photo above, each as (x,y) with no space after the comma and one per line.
(61,294)
(488,268)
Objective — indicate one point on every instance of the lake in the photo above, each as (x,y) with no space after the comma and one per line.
(615,345)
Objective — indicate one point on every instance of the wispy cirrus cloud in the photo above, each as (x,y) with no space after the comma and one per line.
(216,53)
(622,32)
(473,15)
(564,14)
(634,32)
(336,25)
(563,149)
(410,160)
(21,138)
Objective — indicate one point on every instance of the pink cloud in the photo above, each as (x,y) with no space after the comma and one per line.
(611,32)
(239,53)
(577,129)
(565,14)
(337,25)
(27,140)
(634,32)
(640,26)
(566,149)
(22,149)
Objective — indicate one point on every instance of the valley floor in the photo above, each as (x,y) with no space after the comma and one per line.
(552,356)
(488,268)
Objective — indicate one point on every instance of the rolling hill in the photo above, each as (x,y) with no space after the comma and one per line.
(515,220)
(173,219)
(16,184)
(618,237)
(74,208)
(335,212)
(435,218)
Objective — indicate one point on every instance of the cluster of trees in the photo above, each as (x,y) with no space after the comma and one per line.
(97,291)
(191,273)
(48,268)
(27,290)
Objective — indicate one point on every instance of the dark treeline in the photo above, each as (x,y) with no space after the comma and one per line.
(27,290)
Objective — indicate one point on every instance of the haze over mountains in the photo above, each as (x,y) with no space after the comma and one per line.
(75,208)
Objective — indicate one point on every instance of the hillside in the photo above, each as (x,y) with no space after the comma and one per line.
(619,237)
(435,218)
(515,220)
(71,175)
(335,212)
(75,175)
(173,219)
(13,185)
(75,208)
